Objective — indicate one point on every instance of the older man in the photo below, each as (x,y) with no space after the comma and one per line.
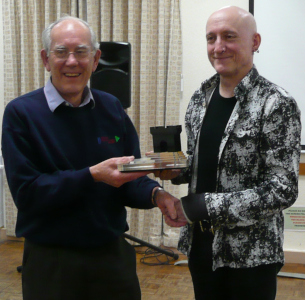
(244,147)
(61,145)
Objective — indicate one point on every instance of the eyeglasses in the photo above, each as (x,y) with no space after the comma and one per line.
(79,54)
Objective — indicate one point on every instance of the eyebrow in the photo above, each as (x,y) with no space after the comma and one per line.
(77,47)
(83,46)
(222,32)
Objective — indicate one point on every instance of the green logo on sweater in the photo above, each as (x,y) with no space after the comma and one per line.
(108,140)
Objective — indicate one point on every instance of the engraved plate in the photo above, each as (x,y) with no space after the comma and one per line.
(156,161)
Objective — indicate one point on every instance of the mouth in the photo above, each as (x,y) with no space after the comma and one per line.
(220,58)
(72,74)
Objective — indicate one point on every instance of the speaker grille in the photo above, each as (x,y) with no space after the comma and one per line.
(113,71)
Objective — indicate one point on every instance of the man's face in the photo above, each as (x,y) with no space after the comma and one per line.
(70,75)
(230,43)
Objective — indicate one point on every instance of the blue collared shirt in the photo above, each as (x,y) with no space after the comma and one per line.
(54,99)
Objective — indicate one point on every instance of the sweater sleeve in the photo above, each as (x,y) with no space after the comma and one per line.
(32,188)
(138,192)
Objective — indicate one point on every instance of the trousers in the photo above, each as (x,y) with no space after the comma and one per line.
(60,273)
(258,283)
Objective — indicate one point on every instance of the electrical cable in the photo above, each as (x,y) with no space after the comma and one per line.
(153,258)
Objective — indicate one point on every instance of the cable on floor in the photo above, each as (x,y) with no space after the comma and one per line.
(151,254)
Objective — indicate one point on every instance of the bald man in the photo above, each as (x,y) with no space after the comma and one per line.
(244,147)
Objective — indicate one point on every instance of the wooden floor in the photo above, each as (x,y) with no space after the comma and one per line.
(158,282)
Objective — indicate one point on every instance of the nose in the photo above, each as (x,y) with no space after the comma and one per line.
(71,59)
(219,45)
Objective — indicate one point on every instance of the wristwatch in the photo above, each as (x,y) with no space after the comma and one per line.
(153,197)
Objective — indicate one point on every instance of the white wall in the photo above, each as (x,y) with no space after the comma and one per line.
(282,28)
(196,68)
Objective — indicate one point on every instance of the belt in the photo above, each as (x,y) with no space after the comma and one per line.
(206,226)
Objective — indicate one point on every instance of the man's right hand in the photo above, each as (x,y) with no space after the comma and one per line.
(107,171)
(171,209)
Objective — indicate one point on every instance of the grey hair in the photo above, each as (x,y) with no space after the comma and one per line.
(46,34)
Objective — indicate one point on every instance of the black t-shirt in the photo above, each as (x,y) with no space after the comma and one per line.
(214,124)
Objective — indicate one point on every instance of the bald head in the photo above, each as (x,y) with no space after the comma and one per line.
(237,16)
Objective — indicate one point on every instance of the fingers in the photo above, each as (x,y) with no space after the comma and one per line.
(129,176)
(122,160)
(107,171)
(167,174)
(171,208)
(157,173)
(166,203)
(174,223)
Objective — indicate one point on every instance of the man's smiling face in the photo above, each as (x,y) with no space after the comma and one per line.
(231,40)
(70,75)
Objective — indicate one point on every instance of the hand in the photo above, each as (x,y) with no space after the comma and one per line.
(171,208)
(107,171)
(167,174)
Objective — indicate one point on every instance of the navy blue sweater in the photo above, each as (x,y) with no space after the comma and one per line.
(47,158)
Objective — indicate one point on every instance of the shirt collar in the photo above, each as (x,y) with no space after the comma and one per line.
(54,99)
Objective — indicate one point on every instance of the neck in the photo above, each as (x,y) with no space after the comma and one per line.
(226,88)
(74,100)
(229,83)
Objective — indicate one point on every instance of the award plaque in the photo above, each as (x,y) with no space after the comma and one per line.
(156,161)
(167,152)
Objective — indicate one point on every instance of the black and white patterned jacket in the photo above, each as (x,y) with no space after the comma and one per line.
(257,175)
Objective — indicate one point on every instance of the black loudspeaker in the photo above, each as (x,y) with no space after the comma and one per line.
(113,73)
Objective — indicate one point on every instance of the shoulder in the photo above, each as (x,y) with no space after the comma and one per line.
(102,96)
(200,94)
(262,91)
(108,105)
(274,96)
(27,99)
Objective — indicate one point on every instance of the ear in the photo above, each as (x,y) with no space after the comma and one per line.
(45,59)
(256,41)
(96,59)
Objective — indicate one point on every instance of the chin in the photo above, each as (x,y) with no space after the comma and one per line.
(222,71)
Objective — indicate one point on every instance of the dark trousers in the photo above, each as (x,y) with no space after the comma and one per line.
(57,273)
(258,283)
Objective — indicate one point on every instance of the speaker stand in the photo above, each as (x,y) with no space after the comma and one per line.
(158,249)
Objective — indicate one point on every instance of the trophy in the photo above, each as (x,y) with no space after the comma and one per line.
(167,152)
